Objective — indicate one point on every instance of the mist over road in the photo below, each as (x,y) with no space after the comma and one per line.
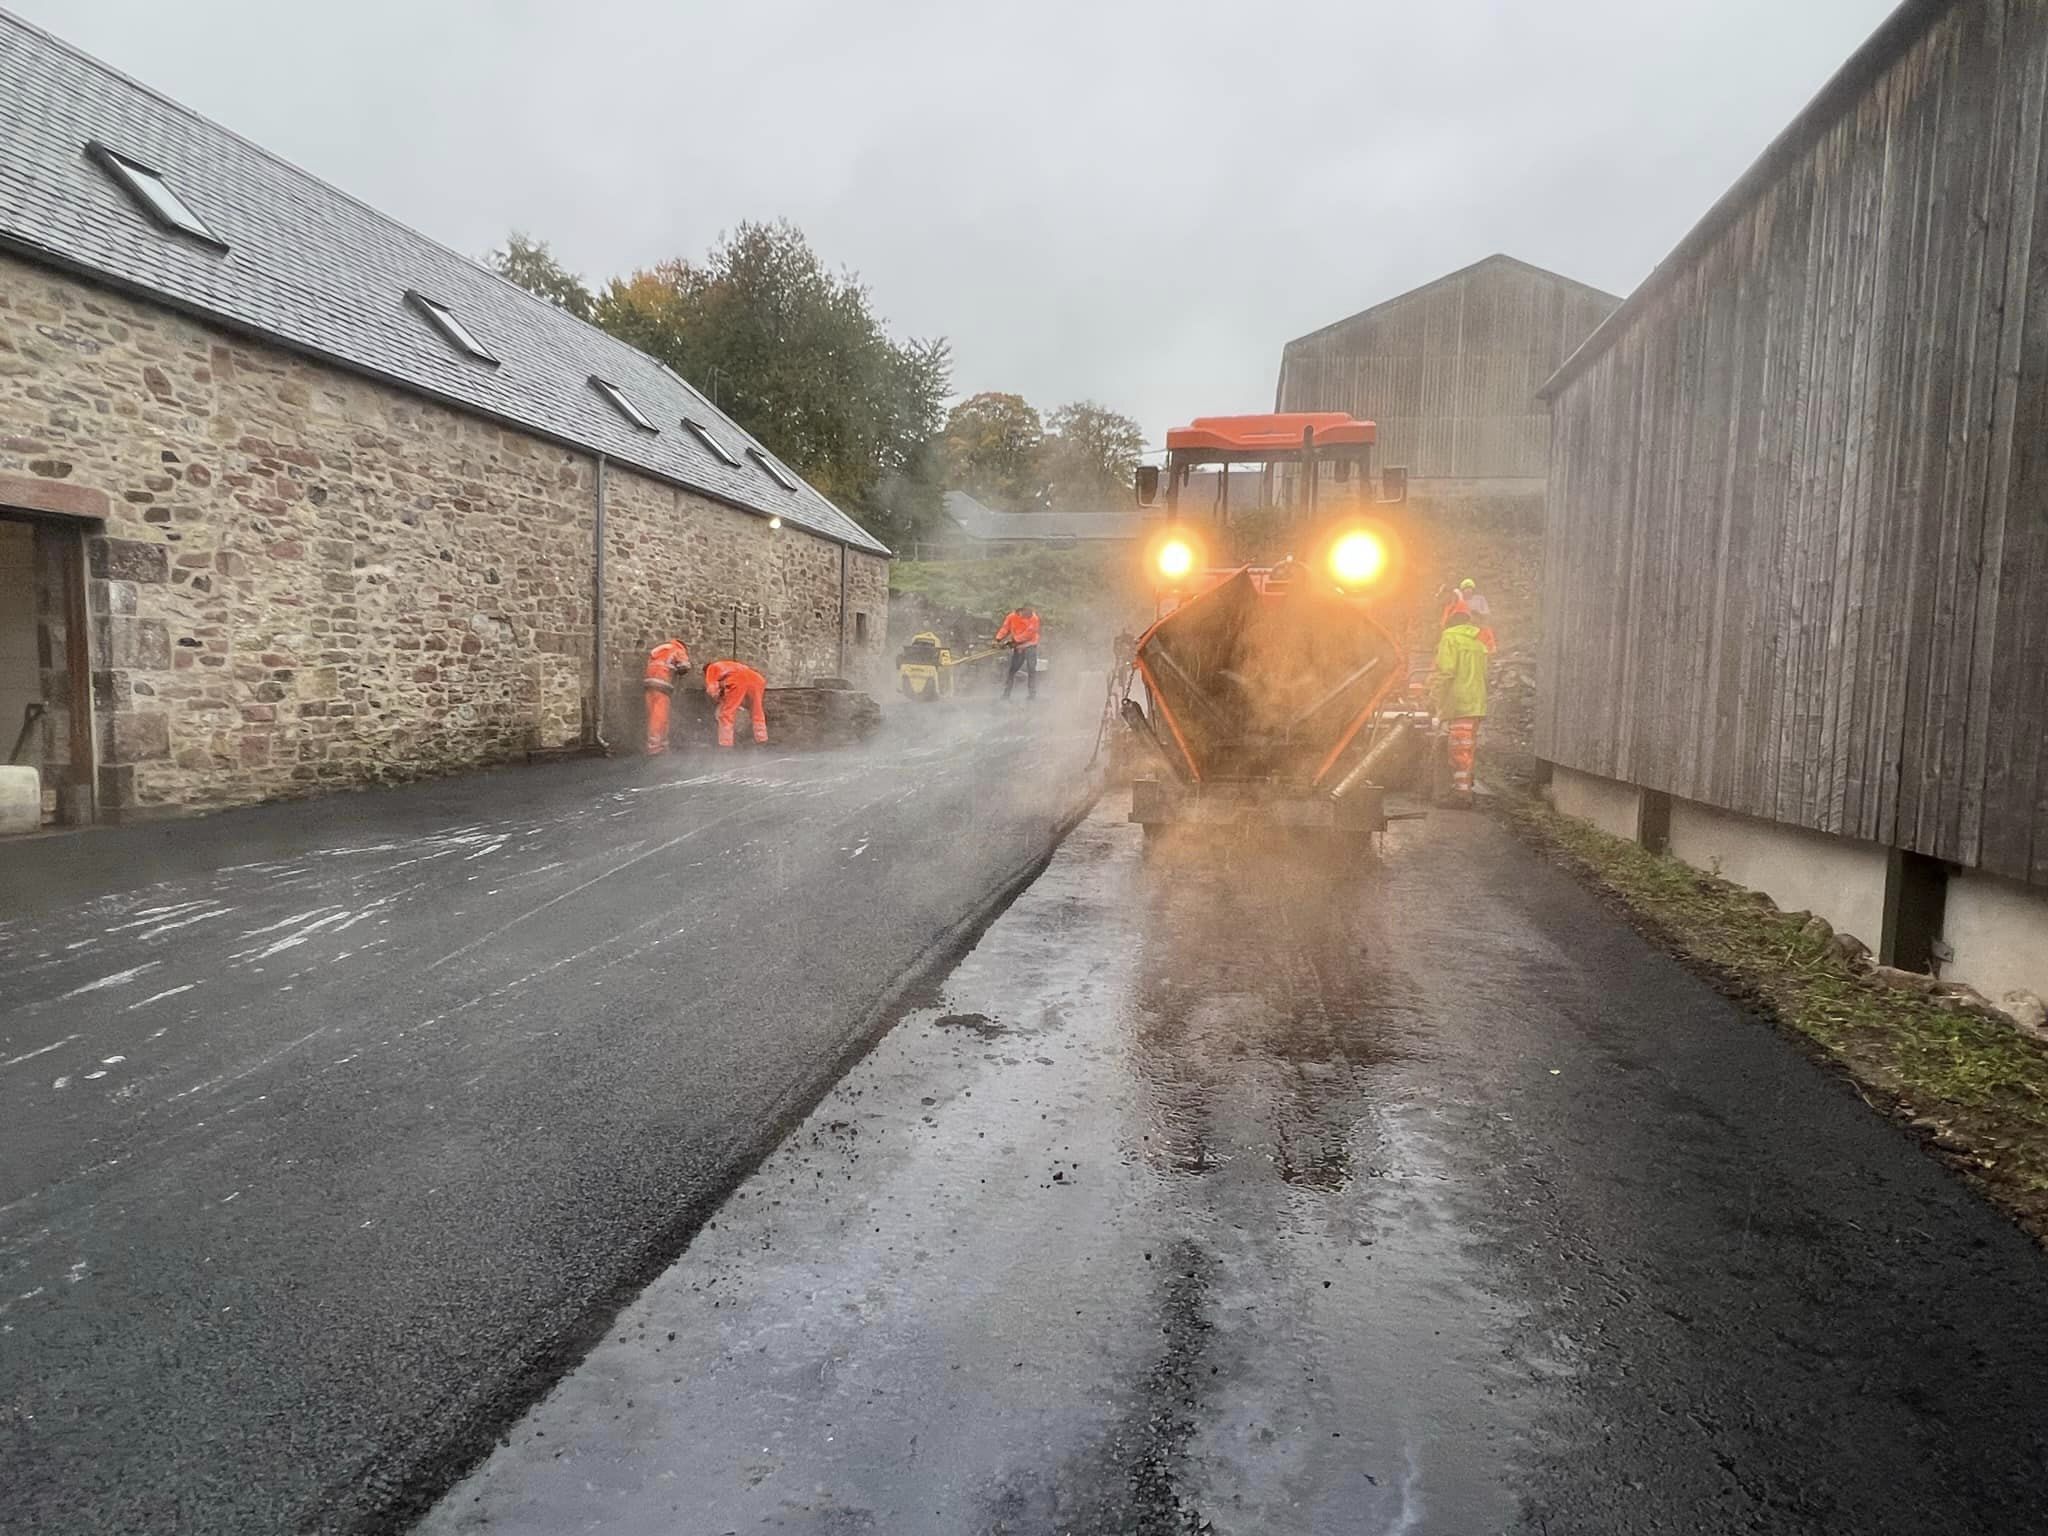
(329,1126)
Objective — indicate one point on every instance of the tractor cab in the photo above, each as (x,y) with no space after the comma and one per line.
(1291,499)
(1262,688)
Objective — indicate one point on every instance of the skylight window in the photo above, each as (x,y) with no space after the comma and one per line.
(154,196)
(442,318)
(718,449)
(776,472)
(626,407)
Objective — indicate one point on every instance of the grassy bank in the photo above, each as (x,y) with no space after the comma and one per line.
(1969,1083)
(1072,588)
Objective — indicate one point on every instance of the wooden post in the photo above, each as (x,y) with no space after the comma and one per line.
(1308,471)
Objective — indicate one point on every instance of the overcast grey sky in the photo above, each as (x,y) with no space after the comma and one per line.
(1136,201)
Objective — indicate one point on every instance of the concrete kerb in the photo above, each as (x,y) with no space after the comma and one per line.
(411,1484)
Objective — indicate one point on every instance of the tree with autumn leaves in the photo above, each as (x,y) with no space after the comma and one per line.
(794,353)
(1000,451)
(790,350)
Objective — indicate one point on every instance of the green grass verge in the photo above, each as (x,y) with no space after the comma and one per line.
(1972,1086)
(1069,587)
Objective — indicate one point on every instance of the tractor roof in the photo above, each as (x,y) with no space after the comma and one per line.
(1276,433)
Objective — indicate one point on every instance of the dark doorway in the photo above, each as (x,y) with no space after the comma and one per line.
(46,719)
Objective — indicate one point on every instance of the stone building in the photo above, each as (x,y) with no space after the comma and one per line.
(293,498)
(1449,372)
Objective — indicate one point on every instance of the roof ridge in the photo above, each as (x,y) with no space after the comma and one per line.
(1452,276)
(419,256)
(527,294)
(1895,36)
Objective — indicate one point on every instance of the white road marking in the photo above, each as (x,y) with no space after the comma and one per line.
(382,901)
(576,890)
(159,997)
(183,922)
(145,913)
(41,1050)
(235,1077)
(148,915)
(298,936)
(118,979)
(298,917)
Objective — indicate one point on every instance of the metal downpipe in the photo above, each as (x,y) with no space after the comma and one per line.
(597,622)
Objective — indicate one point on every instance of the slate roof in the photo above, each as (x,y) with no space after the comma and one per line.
(986,523)
(316,271)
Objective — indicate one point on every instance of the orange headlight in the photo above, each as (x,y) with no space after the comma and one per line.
(1359,558)
(1174,558)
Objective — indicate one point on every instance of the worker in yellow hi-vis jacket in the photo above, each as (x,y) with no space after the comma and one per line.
(1458,688)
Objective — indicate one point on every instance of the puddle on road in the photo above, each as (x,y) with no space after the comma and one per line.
(974,1023)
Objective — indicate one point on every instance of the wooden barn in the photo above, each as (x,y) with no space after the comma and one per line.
(1450,372)
(1797,549)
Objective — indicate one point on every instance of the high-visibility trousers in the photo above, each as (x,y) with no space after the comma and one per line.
(746,689)
(1462,741)
(657,716)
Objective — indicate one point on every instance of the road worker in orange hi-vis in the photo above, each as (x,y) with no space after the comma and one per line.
(665,663)
(734,684)
(1020,634)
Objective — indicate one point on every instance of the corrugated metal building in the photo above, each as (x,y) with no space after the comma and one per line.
(1797,554)
(1450,372)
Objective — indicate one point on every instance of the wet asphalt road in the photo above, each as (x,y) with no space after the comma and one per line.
(326,1129)
(1221,1196)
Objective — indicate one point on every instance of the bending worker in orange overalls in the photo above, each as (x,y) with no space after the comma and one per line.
(665,663)
(734,684)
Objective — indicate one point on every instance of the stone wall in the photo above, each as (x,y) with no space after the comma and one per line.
(727,585)
(306,579)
